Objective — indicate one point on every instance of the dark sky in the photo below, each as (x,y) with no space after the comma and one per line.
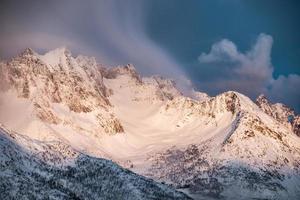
(218,45)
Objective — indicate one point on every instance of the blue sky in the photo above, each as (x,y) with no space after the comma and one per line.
(249,46)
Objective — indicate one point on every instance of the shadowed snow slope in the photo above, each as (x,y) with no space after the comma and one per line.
(210,147)
(25,173)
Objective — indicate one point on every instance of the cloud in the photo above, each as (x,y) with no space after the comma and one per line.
(115,33)
(286,89)
(112,31)
(251,72)
(221,51)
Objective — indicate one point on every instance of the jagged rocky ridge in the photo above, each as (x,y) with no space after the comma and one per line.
(58,78)
(280,112)
(255,159)
(210,147)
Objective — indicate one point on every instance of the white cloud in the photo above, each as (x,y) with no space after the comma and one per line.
(251,72)
(256,63)
(223,50)
(286,89)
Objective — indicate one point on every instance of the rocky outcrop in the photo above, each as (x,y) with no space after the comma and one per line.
(59,78)
(129,69)
(226,102)
(166,88)
(296,125)
(280,112)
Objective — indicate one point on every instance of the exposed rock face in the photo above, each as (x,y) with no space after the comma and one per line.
(280,112)
(165,88)
(296,125)
(45,113)
(226,102)
(277,111)
(232,102)
(121,70)
(58,78)
(115,125)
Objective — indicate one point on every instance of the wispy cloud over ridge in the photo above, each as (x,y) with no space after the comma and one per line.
(113,31)
(149,34)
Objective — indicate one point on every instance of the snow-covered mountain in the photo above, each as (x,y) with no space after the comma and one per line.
(280,112)
(53,170)
(209,147)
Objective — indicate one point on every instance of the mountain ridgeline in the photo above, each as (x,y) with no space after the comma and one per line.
(64,117)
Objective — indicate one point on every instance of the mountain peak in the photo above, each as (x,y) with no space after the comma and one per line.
(128,69)
(56,56)
(280,112)
(61,50)
(199,96)
(56,78)
(262,99)
(28,52)
(166,87)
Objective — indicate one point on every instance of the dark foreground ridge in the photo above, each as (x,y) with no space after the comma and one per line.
(25,176)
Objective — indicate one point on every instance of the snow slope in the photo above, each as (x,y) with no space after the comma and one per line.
(210,147)
(43,167)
